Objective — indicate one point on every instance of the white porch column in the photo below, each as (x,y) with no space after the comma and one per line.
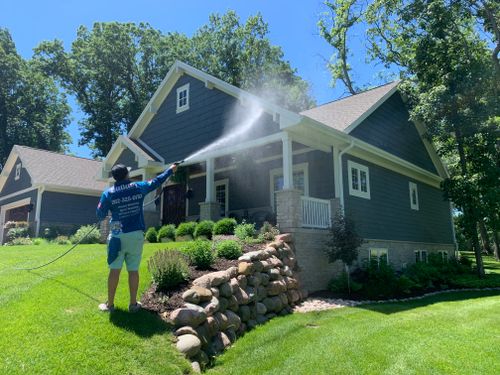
(210,196)
(287,162)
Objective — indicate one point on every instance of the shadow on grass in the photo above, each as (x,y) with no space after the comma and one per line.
(142,323)
(396,307)
(70,287)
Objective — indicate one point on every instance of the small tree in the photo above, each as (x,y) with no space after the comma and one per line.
(343,243)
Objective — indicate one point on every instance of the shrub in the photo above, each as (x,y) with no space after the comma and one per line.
(204,228)
(245,230)
(200,253)
(341,285)
(20,241)
(168,269)
(86,234)
(185,229)
(51,232)
(61,240)
(151,235)
(39,241)
(225,226)
(17,232)
(229,249)
(166,231)
(268,232)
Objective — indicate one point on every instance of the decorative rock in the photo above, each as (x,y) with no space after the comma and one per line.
(271,316)
(197,294)
(212,325)
(232,272)
(291,283)
(253,311)
(254,280)
(202,358)
(251,324)
(225,289)
(277,244)
(271,251)
(252,295)
(244,313)
(196,367)
(258,266)
(234,320)
(264,278)
(222,320)
(234,283)
(261,319)
(276,287)
(185,331)
(212,279)
(284,299)
(223,304)
(233,304)
(293,296)
(275,262)
(245,268)
(272,303)
(225,340)
(242,296)
(290,262)
(215,292)
(242,281)
(217,343)
(187,316)
(274,274)
(242,329)
(189,345)
(203,333)
(266,265)
(261,293)
(211,307)
(261,308)
(285,237)
(231,334)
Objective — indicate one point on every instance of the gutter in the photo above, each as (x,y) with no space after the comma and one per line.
(339,161)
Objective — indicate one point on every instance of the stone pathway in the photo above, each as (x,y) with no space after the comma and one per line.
(321,303)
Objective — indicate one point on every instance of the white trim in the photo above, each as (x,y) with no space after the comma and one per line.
(7,207)
(360,168)
(224,182)
(185,107)
(18,171)
(17,193)
(71,190)
(420,256)
(378,250)
(279,172)
(412,188)
(38,209)
(147,147)
(372,109)
(411,242)
(209,181)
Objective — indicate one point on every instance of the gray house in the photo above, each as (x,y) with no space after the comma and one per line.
(360,154)
(47,189)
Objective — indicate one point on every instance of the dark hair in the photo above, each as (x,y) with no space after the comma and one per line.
(119,172)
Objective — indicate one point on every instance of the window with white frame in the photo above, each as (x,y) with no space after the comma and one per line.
(183,98)
(359,180)
(18,172)
(222,196)
(300,181)
(413,196)
(379,256)
(444,255)
(421,256)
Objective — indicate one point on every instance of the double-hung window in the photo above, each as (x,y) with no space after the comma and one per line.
(421,256)
(183,98)
(379,256)
(413,196)
(444,255)
(359,180)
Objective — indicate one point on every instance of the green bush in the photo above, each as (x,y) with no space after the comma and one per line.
(151,235)
(200,253)
(39,241)
(18,241)
(17,232)
(339,285)
(51,232)
(229,249)
(168,269)
(61,240)
(86,234)
(204,228)
(225,226)
(268,232)
(167,231)
(244,231)
(185,229)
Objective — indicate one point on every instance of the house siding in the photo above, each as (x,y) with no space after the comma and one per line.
(390,129)
(67,211)
(127,158)
(12,185)
(176,135)
(388,216)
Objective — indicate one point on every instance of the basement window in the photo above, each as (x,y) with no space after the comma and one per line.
(444,255)
(359,180)
(379,256)
(182,98)
(18,172)
(413,196)
(421,256)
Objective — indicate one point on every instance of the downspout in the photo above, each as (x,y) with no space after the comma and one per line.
(38,209)
(454,234)
(341,175)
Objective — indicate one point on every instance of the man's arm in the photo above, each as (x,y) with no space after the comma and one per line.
(150,185)
(103,207)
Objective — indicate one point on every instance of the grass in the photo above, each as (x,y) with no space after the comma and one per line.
(452,333)
(491,266)
(49,321)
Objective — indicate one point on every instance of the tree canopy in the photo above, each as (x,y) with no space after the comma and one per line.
(32,110)
(114,68)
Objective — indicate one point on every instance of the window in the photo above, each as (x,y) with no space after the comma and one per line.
(421,256)
(182,98)
(379,256)
(359,180)
(222,196)
(300,181)
(413,196)
(18,172)
(444,255)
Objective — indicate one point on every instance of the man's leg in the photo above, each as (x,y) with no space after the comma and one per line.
(113,278)
(133,284)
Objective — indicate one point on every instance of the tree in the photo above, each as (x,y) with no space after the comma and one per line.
(32,111)
(452,83)
(343,243)
(114,68)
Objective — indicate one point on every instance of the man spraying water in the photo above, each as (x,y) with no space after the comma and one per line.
(125,202)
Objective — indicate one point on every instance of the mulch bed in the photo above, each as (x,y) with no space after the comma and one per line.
(160,302)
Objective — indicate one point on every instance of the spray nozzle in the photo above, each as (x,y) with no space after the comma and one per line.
(179,162)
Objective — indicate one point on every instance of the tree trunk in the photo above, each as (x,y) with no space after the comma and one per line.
(348,278)
(485,239)
(478,255)
(497,246)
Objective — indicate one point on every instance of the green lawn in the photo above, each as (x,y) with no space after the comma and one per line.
(49,322)
(490,264)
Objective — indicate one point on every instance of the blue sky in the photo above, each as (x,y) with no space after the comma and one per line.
(292,23)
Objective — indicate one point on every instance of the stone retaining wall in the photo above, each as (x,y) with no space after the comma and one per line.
(221,306)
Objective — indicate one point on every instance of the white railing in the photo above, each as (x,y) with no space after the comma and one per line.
(316,213)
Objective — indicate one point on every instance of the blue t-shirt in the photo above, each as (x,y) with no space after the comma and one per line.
(125,200)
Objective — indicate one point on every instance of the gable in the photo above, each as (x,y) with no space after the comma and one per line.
(127,158)
(211,111)
(11,184)
(390,129)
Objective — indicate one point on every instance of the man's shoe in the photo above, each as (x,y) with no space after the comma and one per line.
(135,307)
(104,307)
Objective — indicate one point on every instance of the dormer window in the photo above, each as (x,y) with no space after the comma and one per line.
(182,98)
(18,172)
(413,196)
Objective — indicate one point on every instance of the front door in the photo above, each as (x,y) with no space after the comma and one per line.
(174,204)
